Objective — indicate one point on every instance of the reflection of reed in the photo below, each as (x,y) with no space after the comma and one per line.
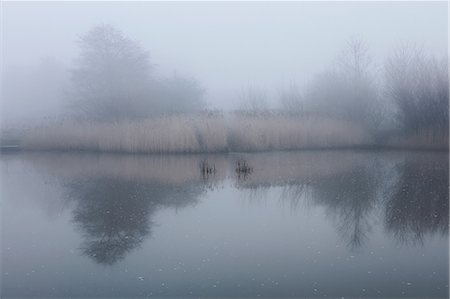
(290,168)
(267,168)
(169,170)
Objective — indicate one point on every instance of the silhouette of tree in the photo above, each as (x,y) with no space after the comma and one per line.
(417,83)
(111,77)
(348,90)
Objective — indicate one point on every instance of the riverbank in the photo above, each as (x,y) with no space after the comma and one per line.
(214,133)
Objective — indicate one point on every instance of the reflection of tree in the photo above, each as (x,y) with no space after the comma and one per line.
(418,203)
(115,214)
(295,193)
(114,211)
(416,193)
(350,198)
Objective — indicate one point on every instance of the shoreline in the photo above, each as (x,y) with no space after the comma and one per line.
(12,149)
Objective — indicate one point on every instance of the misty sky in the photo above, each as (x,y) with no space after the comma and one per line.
(226,46)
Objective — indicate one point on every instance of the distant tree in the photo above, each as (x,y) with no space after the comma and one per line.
(358,70)
(418,85)
(326,95)
(113,80)
(253,100)
(355,62)
(111,76)
(349,90)
(178,94)
(291,100)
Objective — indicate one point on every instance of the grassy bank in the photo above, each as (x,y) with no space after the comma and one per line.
(195,134)
(210,133)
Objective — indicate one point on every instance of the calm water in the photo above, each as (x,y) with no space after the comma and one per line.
(310,224)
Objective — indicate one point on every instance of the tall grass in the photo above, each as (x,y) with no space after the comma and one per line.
(158,135)
(284,132)
(427,139)
(197,133)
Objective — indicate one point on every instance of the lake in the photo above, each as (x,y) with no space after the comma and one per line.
(314,224)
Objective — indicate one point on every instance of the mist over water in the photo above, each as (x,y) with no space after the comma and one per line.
(224,149)
(309,224)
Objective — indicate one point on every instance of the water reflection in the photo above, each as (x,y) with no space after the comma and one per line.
(349,189)
(417,205)
(410,190)
(115,215)
(115,197)
(349,198)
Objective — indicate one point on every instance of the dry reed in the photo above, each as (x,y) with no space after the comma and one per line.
(195,134)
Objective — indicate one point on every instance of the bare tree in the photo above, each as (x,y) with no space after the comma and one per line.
(253,100)
(349,89)
(357,68)
(355,62)
(418,85)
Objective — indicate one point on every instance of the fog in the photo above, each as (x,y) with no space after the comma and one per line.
(225,46)
(224,149)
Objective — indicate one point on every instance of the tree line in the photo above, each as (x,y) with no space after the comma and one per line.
(114,79)
(409,93)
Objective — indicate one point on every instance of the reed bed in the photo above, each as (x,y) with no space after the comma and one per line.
(173,134)
(284,132)
(197,134)
(425,139)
